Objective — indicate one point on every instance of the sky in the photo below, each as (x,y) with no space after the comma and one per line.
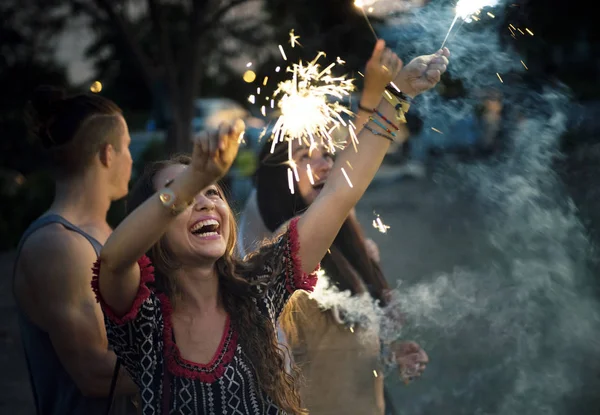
(71,45)
(70,50)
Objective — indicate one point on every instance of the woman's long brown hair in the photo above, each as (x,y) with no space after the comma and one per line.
(255,332)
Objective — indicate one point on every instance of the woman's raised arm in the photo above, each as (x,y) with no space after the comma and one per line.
(320,224)
(119,277)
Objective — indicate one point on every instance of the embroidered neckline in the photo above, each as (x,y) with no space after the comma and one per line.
(181,367)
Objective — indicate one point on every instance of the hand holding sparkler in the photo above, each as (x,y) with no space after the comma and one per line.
(214,152)
(411,358)
(422,73)
(381,69)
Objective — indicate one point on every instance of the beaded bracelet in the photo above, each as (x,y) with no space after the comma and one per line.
(383,127)
(378,133)
(394,126)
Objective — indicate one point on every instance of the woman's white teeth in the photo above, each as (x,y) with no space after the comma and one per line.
(211,223)
(206,234)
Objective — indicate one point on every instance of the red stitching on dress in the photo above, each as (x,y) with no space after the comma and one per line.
(300,280)
(178,366)
(146,276)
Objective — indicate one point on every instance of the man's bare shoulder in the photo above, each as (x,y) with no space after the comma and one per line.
(54,250)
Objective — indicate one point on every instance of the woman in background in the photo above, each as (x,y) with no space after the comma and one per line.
(342,372)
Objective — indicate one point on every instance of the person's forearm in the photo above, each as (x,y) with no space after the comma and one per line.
(360,165)
(368,104)
(145,225)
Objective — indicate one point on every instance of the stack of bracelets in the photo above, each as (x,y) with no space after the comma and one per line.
(401,104)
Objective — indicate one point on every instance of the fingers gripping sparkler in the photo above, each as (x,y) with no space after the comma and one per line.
(465,9)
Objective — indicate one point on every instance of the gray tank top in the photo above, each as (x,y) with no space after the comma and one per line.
(54,391)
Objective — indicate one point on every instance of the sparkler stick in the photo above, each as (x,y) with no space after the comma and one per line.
(360,5)
(465,9)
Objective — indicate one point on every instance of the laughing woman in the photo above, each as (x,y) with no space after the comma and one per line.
(193,325)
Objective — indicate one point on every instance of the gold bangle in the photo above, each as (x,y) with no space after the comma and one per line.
(169,200)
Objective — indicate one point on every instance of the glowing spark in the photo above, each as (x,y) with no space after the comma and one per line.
(241,138)
(340,61)
(370,9)
(347,178)
(351,328)
(272,103)
(360,5)
(277,69)
(349,165)
(258,91)
(263,111)
(305,101)
(252,99)
(361,74)
(436,130)
(520,31)
(310,175)
(249,64)
(524,65)
(282,53)
(491,15)
(375,373)
(465,9)
(262,134)
(265,80)
(475,18)
(295,170)
(379,225)
(529,31)
(510,25)
(294,39)
(291,180)
(500,78)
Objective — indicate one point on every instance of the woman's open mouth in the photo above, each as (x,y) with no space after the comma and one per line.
(206,228)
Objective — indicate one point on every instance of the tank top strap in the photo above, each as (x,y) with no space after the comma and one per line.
(51,219)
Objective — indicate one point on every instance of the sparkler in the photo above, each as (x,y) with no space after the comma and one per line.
(361,6)
(379,225)
(465,9)
(309,107)
(308,104)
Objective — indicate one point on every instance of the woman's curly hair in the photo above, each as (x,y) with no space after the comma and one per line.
(256,332)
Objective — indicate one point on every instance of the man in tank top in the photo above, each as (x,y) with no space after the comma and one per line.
(62,326)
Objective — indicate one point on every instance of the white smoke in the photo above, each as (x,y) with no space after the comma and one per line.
(517,332)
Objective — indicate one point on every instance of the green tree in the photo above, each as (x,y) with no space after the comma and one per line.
(169,49)
(28,30)
(336,27)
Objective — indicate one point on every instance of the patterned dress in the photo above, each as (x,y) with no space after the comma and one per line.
(143,340)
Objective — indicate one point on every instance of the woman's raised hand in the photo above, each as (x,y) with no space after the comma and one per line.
(382,68)
(422,73)
(215,151)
